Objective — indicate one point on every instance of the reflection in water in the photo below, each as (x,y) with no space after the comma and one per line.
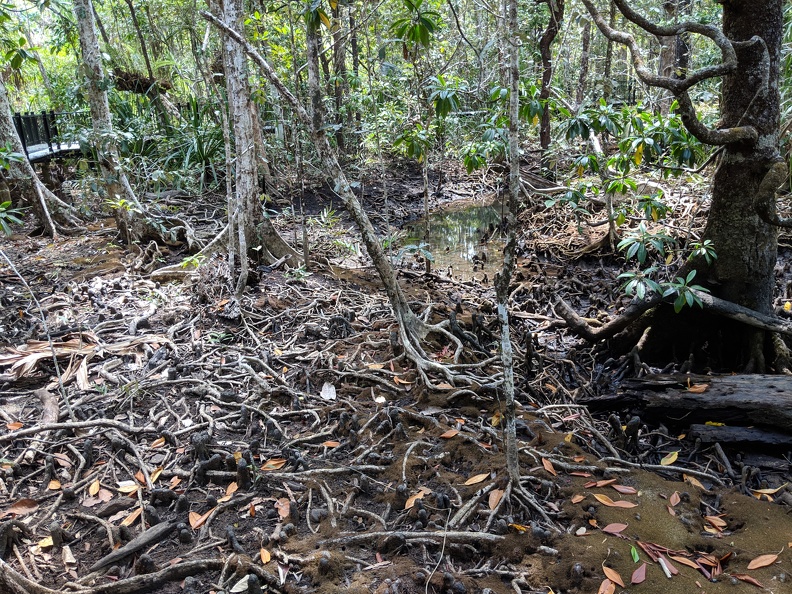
(467,239)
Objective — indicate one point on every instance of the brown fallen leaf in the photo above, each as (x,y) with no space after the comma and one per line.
(639,575)
(615,528)
(762,561)
(548,466)
(331,444)
(21,507)
(605,500)
(274,464)
(583,474)
(613,576)
(744,577)
(413,498)
(684,561)
(265,556)
(674,499)
(474,480)
(197,520)
(495,497)
(607,587)
(605,482)
(577,498)
(450,433)
(14,426)
(130,519)
(716,522)
(283,505)
(158,443)
(671,510)
(625,490)
(698,388)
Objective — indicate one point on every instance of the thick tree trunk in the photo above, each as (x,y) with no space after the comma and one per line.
(545,49)
(745,244)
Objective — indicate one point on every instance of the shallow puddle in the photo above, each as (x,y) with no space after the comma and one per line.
(464,240)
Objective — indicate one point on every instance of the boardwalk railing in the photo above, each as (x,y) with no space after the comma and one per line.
(47,134)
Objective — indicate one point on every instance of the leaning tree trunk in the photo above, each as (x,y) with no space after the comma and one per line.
(54,214)
(746,245)
(545,49)
(254,230)
(412,329)
(129,213)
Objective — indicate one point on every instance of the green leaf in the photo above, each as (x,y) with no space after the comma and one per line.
(634,552)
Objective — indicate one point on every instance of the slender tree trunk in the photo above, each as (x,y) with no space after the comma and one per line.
(503,278)
(54,214)
(746,245)
(545,49)
(580,93)
(667,54)
(682,47)
(607,75)
(340,80)
(117,189)
(353,45)
(254,230)
(153,91)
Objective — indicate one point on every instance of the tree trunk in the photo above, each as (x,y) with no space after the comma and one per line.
(580,94)
(254,230)
(503,278)
(340,79)
(152,92)
(118,192)
(607,75)
(746,245)
(682,47)
(545,49)
(54,214)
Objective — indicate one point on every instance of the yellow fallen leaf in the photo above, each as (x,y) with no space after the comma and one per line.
(45,542)
(496,419)
(54,485)
(519,527)
(156,474)
(93,488)
(769,491)
(265,556)
(158,443)
(669,459)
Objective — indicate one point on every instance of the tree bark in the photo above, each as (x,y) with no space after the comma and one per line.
(54,214)
(746,245)
(118,192)
(503,278)
(545,49)
(607,75)
(254,230)
(580,93)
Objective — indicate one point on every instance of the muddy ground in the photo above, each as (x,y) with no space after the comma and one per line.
(179,447)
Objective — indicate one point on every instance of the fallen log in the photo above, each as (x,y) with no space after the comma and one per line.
(743,400)
(738,435)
